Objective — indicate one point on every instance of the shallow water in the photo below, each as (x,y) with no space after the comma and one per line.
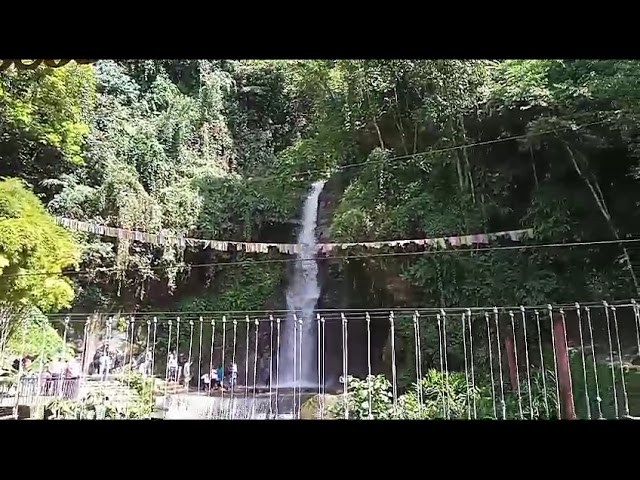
(237,407)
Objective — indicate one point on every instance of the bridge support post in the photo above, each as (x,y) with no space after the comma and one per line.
(564,366)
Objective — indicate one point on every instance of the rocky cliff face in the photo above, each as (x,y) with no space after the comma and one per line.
(348,284)
(327,204)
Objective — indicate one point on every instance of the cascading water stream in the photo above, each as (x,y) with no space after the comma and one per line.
(298,360)
(302,297)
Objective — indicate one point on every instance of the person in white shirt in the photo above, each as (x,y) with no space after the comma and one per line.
(56,367)
(105,363)
(206,379)
(215,378)
(75,367)
(186,374)
(148,361)
(234,375)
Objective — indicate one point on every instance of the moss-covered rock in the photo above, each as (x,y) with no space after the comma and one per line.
(310,409)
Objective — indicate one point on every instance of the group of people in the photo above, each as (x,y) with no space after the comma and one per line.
(179,369)
(143,363)
(106,360)
(218,379)
(59,377)
(63,377)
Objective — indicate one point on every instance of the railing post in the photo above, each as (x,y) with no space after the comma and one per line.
(564,366)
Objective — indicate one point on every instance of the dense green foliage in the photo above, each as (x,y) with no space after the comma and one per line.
(33,250)
(37,338)
(224,149)
(442,395)
(221,149)
(450,395)
(95,407)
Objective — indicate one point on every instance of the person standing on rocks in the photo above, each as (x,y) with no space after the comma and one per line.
(181,362)
(173,367)
(105,364)
(148,360)
(186,374)
(233,375)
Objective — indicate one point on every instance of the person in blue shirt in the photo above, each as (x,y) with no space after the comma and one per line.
(221,377)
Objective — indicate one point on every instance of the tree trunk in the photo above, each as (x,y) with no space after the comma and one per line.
(533,168)
(600,202)
(466,160)
(459,168)
(398,122)
(374,119)
(375,123)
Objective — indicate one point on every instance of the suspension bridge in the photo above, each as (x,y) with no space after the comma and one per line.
(525,362)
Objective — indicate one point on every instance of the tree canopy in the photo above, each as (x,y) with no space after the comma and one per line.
(224,149)
(34,250)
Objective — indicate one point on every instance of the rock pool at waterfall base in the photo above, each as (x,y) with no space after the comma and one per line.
(280,404)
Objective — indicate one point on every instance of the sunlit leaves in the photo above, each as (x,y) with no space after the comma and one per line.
(52,106)
(30,245)
(523,83)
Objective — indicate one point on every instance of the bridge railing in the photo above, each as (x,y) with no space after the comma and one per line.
(521,362)
(32,391)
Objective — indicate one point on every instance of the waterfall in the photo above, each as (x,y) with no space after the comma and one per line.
(298,349)
(298,354)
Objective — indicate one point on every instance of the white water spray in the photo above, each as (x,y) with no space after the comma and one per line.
(299,358)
